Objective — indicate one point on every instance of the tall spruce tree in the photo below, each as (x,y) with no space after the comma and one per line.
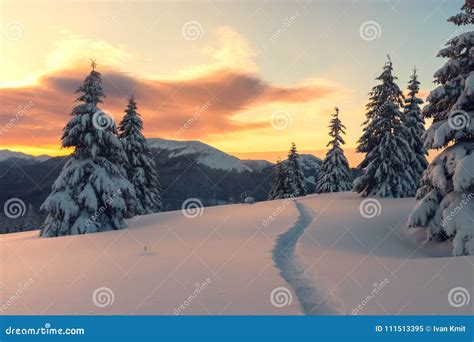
(446,197)
(335,175)
(416,128)
(295,183)
(92,192)
(278,183)
(386,167)
(141,168)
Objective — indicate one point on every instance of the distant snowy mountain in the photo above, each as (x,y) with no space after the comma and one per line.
(201,153)
(257,165)
(186,169)
(309,162)
(7,154)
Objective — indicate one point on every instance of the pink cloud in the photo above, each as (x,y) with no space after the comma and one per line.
(166,105)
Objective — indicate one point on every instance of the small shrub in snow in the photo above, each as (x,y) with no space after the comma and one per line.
(249,200)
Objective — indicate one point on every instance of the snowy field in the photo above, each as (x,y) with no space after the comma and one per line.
(324,254)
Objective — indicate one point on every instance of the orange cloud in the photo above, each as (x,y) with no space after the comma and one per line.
(193,108)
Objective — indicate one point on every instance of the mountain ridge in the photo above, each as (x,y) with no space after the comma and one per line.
(201,153)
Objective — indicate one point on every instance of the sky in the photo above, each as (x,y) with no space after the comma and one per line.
(247,77)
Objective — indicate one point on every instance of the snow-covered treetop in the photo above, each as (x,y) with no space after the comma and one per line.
(413,115)
(451,104)
(466,16)
(132,124)
(92,131)
(388,89)
(91,89)
(413,89)
(383,109)
(336,128)
(293,153)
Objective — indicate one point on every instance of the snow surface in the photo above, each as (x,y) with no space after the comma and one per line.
(319,247)
(7,154)
(206,155)
(345,254)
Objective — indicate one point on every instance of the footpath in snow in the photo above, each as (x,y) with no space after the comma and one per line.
(293,271)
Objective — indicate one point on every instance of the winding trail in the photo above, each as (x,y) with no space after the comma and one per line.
(312,300)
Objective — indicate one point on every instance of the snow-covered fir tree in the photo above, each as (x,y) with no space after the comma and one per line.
(446,197)
(278,183)
(334,175)
(416,127)
(141,168)
(386,167)
(92,192)
(295,183)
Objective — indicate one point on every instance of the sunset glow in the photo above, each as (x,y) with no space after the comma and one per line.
(219,73)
